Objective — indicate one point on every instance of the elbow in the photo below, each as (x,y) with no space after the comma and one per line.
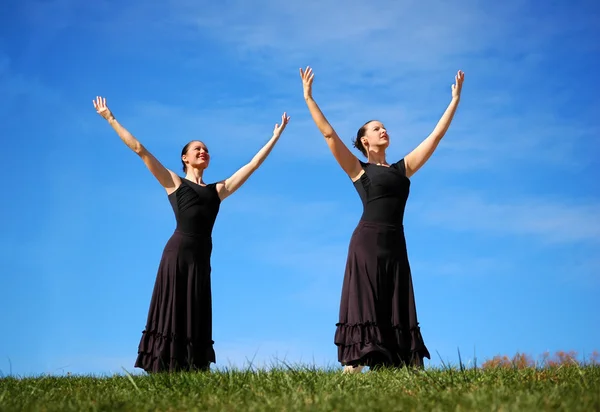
(139,149)
(436,138)
(328,134)
(437,135)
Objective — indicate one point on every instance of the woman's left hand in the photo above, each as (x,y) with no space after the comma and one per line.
(457,86)
(279,128)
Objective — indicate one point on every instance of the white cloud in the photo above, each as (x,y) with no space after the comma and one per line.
(232,126)
(548,220)
(366,36)
(417,29)
(43,104)
(467,266)
(390,61)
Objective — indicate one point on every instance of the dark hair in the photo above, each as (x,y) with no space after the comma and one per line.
(184,151)
(357,142)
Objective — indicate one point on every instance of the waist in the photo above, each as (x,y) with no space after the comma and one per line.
(202,235)
(381,225)
(385,216)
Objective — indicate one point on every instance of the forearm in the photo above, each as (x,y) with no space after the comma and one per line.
(262,154)
(444,123)
(417,158)
(319,118)
(230,185)
(125,136)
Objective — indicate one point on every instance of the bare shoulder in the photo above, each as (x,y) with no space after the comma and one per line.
(221,188)
(358,171)
(403,166)
(176,182)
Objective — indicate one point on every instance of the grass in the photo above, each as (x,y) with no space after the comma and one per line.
(562,386)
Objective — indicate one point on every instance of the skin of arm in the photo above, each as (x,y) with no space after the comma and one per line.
(421,154)
(348,162)
(169,180)
(228,186)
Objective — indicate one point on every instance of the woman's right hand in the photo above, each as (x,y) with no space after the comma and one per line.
(102,109)
(307,76)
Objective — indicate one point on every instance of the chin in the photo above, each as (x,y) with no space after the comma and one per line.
(201,166)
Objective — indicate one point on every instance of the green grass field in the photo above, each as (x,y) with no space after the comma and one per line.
(563,387)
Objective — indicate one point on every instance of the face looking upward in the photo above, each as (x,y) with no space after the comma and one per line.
(375,138)
(195,155)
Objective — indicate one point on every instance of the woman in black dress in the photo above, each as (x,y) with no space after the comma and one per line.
(178,333)
(378,319)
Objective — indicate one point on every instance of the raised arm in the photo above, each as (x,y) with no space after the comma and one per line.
(169,180)
(419,156)
(230,185)
(340,151)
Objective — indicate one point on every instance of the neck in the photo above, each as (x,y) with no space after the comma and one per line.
(195,175)
(377,157)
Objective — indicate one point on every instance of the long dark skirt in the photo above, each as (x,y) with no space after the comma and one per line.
(178,333)
(378,317)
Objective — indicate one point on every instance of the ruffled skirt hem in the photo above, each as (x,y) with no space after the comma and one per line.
(159,352)
(375,345)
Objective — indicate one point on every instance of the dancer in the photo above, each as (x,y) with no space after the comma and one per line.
(178,333)
(378,319)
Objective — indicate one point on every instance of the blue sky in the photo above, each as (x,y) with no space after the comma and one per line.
(502,225)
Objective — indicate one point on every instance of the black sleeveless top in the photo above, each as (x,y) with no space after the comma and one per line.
(384,192)
(195,207)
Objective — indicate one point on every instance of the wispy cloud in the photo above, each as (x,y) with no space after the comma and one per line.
(391,61)
(27,93)
(548,220)
(467,266)
(228,125)
(351,31)
(376,35)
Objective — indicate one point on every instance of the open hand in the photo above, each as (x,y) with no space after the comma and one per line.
(279,128)
(457,86)
(101,108)
(307,78)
